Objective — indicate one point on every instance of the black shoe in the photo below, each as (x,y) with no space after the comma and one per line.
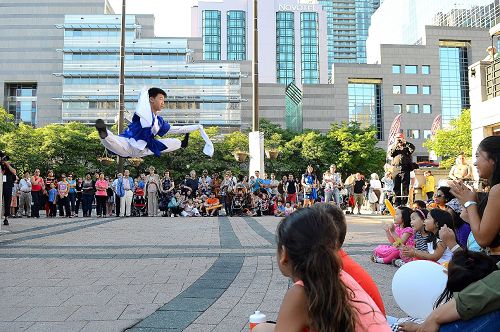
(6,222)
(185,141)
(101,128)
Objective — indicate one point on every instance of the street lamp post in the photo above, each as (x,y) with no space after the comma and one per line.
(121,114)
(255,138)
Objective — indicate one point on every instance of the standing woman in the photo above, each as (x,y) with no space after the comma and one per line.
(375,192)
(37,189)
(78,188)
(310,184)
(72,193)
(87,195)
(153,187)
(483,214)
(62,199)
(167,186)
(48,181)
(101,195)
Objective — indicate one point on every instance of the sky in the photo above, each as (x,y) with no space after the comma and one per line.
(172,17)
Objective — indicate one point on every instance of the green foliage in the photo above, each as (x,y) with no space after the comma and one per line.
(75,147)
(7,124)
(448,143)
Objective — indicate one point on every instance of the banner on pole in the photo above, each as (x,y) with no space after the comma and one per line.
(395,128)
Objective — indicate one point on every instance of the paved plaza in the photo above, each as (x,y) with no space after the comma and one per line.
(154,274)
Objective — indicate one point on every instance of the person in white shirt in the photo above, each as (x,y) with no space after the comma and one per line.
(25,195)
(375,192)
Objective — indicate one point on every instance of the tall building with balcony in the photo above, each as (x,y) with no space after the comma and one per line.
(197,92)
(484,77)
(292,37)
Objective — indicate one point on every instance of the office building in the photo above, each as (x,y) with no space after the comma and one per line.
(201,92)
(292,42)
(409,17)
(28,57)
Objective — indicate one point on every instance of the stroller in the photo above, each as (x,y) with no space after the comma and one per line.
(163,200)
(238,202)
(139,203)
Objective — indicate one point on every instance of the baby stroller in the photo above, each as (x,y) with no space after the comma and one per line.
(163,200)
(344,199)
(239,199)
(139,203)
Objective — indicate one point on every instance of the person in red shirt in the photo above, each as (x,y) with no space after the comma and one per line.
(37,187)
(349,265)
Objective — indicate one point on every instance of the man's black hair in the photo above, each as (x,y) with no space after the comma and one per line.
(153,92)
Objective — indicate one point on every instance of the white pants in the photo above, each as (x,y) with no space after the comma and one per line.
(193,212)
(124,147)
(126,202)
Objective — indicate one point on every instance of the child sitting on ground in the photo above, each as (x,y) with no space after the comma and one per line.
(420,235)
(436,249)
(190,210)
(323,297)
(280,210)
(289,209)
(399,233)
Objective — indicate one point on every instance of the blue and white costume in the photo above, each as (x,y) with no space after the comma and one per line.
(138,140)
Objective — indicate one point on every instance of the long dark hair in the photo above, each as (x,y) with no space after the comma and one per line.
(311,241)
(490,145)
(441,218)
(406,215)
(465,267)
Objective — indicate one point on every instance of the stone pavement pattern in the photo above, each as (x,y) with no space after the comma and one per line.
(154,274)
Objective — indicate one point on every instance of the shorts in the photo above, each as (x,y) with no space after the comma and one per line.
(291,198)
(359,198)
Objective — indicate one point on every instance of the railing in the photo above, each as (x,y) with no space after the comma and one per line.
(493,79)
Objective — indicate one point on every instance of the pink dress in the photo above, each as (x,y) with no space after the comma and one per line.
(389,252)
(369,318)
(101,184)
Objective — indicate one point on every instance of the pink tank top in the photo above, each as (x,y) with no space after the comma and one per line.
(368,315)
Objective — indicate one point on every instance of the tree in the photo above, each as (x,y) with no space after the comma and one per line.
(449,142)
(355,148)
(7,125)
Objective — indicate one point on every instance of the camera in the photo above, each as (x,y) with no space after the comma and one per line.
(3,156)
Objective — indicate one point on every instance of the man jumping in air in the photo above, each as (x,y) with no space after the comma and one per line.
(138,140)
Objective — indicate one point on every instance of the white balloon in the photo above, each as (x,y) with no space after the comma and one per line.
(417,285)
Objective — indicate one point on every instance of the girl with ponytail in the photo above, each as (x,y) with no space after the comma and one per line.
(323,298)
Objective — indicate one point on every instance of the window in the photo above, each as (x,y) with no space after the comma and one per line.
(398,108)
(396,69)
(236,35)
(427,134)
(309,40)
(365,105)
(413,133)
(427,109)
(211,35)
(411,89)
(396,89)
(412,108)
(426,70)
(410,69)
(285,47)
(426,90)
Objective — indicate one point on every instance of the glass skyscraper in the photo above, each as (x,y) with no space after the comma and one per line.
(236,35)
(285,47)
(309,47)
(211,35)
(203,92)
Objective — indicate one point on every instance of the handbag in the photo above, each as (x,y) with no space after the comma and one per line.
(372,197)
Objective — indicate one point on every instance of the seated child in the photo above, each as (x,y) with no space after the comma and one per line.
(212,205)
(280,210)
(399,233)
(289,209)
(417,223)
(323,297)
(436,249)
(190,210)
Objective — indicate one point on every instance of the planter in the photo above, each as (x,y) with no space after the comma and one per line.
(240,156)
(272,154)
(135,161)
(106,161)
